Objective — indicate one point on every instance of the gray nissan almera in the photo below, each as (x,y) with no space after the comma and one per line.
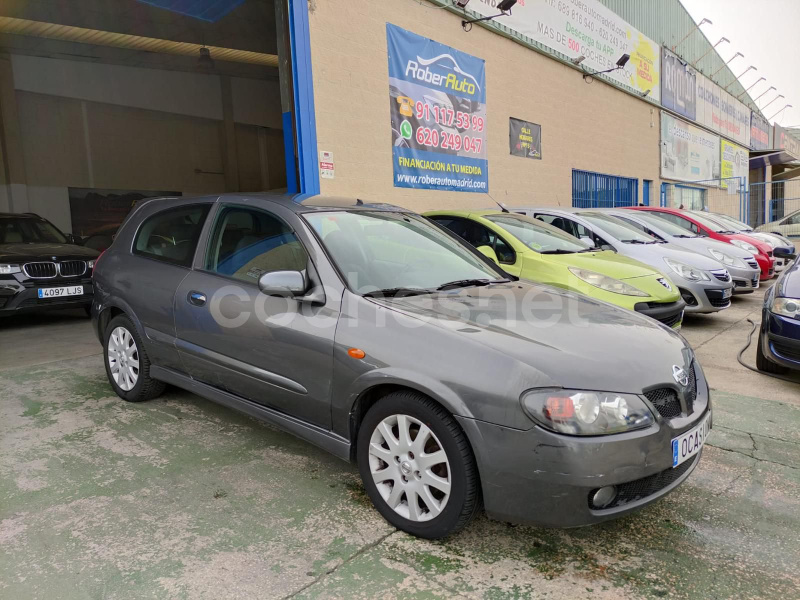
(379,336)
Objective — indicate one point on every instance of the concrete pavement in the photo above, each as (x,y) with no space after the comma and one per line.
(181,498)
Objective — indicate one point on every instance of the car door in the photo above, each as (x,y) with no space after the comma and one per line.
(161,255)
(276,351)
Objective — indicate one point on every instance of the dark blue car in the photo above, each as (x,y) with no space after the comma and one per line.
(779,342)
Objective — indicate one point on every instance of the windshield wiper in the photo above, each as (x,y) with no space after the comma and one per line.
(469,282)
(397,291)
(560,251)
(635,242)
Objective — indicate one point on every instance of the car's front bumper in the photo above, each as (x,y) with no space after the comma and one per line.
(780,340)
(546,479)
(705,296)
(668,313)
(745,280)
(17,297)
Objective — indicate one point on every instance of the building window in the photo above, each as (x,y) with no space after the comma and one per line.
(596,190)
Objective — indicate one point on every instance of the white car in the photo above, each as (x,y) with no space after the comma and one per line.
(788,226)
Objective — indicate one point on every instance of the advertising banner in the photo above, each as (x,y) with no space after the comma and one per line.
(734,162)
(721,112)
(585,27)
(524,138)
(678,85)
(759,132)
(688,153)
(786,141)
(437,99)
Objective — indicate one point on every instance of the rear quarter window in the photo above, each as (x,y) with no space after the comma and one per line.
(171,235)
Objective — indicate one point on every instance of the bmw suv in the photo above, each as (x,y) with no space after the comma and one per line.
(40,267)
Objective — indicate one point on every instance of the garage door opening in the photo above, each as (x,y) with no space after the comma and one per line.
(108,102)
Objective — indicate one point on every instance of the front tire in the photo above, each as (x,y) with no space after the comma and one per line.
(127,363)
(417,466)
(766,365)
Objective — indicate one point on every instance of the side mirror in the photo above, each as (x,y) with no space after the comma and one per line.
(783,253)
(283,283)
(489,252)
(588,240)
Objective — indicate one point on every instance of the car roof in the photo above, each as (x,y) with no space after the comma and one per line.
(28,215)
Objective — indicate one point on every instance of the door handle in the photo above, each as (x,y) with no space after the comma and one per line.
(197,298)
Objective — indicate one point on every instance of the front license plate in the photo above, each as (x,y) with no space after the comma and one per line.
(57,292)
(727,293)
(689,444)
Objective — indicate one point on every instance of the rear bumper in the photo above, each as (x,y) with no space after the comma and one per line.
(16,298)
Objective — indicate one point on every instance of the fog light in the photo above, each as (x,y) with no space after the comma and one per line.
(604,496)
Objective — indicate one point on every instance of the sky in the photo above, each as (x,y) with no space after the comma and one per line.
(766,32)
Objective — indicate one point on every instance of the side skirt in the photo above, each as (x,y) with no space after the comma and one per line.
(335,444)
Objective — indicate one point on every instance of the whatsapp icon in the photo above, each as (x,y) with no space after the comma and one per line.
(405,130)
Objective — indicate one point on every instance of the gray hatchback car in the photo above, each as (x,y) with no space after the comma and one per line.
(381,337)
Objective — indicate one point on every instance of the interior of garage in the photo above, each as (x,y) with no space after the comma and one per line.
(104,102)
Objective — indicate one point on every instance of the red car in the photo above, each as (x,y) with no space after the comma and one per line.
(702,226)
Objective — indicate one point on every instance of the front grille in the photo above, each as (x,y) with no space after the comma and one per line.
(739,283)
(722,275)
(672,320)
(753,264)
(720,302)
(786,351)
(665,401)
(72,268)
(769,253)
(646,486)
(40,270)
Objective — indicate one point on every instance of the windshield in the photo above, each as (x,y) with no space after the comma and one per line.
(617,228)
(667,227)
(27,230)
(710,223)
(729,222)
(538,236)
(390,250)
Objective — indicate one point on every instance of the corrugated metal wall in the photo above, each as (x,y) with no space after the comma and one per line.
(667,22)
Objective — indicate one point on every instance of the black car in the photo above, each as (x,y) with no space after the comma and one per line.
(40,267)
(779,338)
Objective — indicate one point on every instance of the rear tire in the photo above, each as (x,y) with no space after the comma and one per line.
(127,363)
(417,466)
(766,365)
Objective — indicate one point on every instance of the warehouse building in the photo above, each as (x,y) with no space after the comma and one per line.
(413,102)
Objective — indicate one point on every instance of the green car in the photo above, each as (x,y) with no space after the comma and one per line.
(539,252)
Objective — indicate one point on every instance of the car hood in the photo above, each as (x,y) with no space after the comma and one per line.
(607,263)
(762,246)
(788,286)
(654,255)
(572,340)
(704,245)
(20,253)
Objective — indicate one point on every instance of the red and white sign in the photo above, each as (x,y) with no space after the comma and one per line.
(326,169)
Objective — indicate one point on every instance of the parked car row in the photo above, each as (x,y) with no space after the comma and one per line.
(426,350)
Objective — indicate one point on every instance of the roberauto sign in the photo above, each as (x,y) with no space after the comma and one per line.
(437,101)
(678,81)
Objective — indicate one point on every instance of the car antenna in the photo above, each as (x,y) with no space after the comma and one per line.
(502,206)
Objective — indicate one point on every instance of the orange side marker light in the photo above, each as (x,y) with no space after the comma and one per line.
(356,353)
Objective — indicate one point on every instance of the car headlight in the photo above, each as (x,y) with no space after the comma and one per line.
(687,272)
(9,269)
(745,246)
(604,282)
(727,259)
(773,243)
(577,412)
(90,263)
(787,307)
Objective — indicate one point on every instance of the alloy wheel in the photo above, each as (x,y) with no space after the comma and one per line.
(123,358)
(410,467)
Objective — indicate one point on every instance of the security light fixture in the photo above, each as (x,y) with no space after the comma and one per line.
(771,101)
(646,93)
(205,62)
(691,31)
(779,112)
(767,92)
(621,62)
(460,3)
(505,10)
(759,80)
(722,39)
(578,60)
(738,54)
(748,69)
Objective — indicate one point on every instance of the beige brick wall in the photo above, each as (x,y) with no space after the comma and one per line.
(593,127)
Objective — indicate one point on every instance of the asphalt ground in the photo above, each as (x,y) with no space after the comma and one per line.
(181,498)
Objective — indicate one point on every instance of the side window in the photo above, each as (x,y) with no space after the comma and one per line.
(638,226)
(457,226)
(679,221)
(793,220)
(246,243)
(560,222)
(171,235)
(478,235)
